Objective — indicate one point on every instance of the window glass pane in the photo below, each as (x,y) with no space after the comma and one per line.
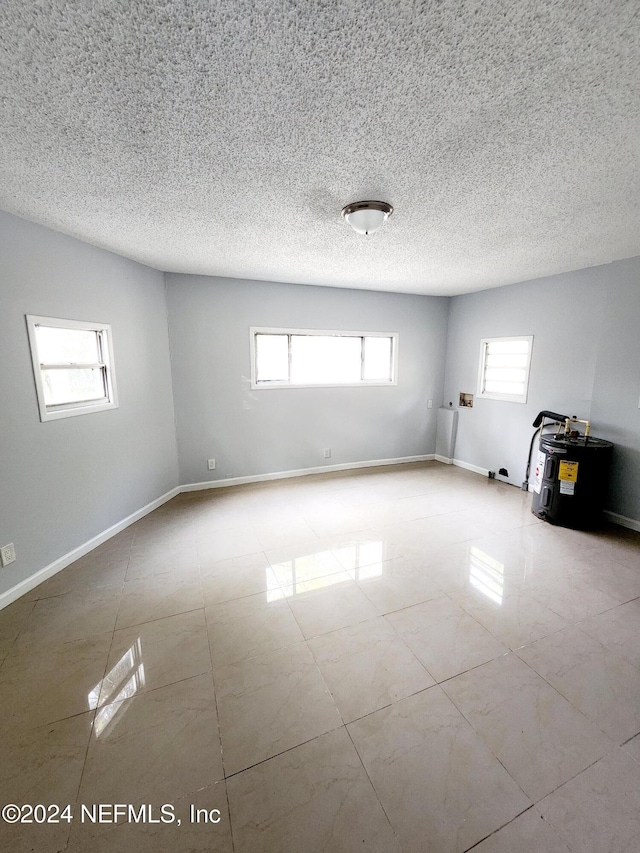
(494,387)
(321,359)
(272,358)
(507,347)
(73,386)
(504,374)
(67,346)
(377,359)
(507,360)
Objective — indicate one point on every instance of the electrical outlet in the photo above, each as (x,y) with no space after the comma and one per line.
(7,554)
(212,464)
(327,453)
(429,404)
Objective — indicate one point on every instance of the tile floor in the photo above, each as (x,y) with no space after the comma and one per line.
(400,660)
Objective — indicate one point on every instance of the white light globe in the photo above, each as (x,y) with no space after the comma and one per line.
(365,217)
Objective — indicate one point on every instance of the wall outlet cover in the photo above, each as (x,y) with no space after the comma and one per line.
(212,464)
(7,554)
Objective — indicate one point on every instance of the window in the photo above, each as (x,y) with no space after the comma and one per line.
(295,358)
(504,368)
(72,366)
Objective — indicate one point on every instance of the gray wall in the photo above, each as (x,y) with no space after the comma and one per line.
(265,431)
(64,481)
(616,390)
(585,362)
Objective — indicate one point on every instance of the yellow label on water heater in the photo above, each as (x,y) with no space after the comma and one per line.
(568,471)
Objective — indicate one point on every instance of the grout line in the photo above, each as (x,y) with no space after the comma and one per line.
(215,700)
(284,752)
(495,831)
(373,787)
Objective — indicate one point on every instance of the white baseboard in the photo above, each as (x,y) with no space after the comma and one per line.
(303,472)
(10,595)
(622,520)
(469,467)
(444,459)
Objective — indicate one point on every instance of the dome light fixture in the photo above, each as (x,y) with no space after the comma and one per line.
(365,217)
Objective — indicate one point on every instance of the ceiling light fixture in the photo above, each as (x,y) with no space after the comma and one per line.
(365,217)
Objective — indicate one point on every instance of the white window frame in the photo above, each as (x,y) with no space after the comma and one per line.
(490,395)
(68,410)
(363,383)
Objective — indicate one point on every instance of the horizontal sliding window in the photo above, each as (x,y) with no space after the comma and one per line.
(308,357)
(72,366)
(504,368)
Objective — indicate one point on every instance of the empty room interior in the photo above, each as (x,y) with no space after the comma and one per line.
(320,427)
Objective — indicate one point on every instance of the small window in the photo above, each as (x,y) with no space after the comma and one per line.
(72,367)
(301,358)
(504,368)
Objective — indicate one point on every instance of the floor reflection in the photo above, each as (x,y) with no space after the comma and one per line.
(363,559)
(123,681)
(486,575)
(322,569)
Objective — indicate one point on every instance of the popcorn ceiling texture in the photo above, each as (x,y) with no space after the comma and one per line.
(225,137)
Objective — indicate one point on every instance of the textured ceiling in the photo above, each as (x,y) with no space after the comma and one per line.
(225,137)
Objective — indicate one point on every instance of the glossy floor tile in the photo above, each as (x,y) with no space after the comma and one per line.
(245,627)
(157,596)
(392,659)
(89,571)
(278,532)
(154,654)
(395,584)
(314,798)
(618,629)
(329,603)
(600,808)
(12,619)
(236,578)
(368,666)
(444,637)
(540,738)
(153,745)
(227,543)
(52,684)
(45,764)
(270,703)
(515,618)
(573,598)
(76,615)
(596,680)
(438,783)
(42,766)
(161,558)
